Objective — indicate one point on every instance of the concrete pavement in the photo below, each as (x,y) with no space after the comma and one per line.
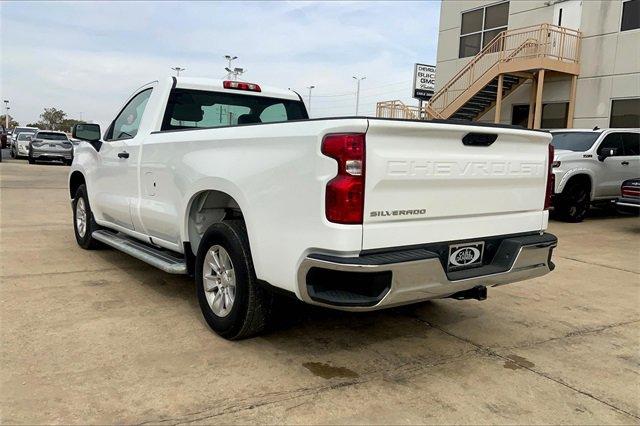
(99,337)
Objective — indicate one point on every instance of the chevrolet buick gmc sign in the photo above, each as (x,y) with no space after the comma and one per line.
(424,81)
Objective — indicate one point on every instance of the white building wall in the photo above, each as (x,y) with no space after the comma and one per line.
(610,59)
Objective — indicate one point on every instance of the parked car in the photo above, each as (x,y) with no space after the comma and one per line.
(589,167)
(231,182)
(50,146)
(629,202)
(15,153)
(21,145)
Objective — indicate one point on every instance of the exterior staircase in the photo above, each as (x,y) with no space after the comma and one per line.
(510,59)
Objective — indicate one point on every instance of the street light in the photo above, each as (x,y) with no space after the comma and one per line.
(358,79)
(229,59)
(177,70)
(234,72)
(309,101)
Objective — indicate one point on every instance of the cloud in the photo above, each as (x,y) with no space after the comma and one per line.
(88,57)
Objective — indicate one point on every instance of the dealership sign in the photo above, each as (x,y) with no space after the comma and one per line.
(424,81)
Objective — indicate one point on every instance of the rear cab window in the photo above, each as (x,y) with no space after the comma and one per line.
(189,109)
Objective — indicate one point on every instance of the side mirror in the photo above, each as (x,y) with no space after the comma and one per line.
(608,152)
(88,132)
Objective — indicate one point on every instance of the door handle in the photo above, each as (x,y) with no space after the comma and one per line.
(123,154)
(625,163)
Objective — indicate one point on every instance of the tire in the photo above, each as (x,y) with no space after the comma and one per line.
(250,304)
(83,236)
(12,153)
(574,202)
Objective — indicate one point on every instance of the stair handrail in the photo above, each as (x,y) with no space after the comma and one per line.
(544,36)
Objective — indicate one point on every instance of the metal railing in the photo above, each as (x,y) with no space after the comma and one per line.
(534,42)
(398,109)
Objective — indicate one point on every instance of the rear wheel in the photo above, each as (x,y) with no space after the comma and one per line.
(83,221)
(232,302)
(574,202)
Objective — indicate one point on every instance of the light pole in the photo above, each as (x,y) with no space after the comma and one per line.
(6,115)
(229,59)
(177,70)
(235,72)
(358,80)
(309,102)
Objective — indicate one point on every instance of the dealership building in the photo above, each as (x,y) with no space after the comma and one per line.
(539,64)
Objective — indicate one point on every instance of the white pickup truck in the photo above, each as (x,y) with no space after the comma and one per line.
(231,182)
(589,167)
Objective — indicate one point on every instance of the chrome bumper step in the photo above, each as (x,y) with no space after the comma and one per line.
(159,258)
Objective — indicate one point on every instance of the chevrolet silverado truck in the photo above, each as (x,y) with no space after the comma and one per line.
(232,183)
(590,166)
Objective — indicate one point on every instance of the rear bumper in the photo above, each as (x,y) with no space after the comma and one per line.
(43,154)
(377,281)
(628,202)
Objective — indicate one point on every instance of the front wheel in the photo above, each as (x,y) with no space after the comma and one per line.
(83,222)
(232,302)
(573,204)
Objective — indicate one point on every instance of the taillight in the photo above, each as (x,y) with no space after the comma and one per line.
(239,85)
(630,192)
(551,179)
(344,199)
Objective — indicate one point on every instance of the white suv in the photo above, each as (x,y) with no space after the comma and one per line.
(590,165)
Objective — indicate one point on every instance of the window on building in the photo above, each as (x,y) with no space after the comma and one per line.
(480,26)
(554,115)
(630,15)
(625,113)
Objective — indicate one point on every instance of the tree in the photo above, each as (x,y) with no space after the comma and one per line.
(12,123)
(68,123)
(52,118)
(39,125)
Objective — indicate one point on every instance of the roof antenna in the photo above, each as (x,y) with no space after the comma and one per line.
(596,128)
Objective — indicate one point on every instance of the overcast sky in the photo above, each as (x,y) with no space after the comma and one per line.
(86,58)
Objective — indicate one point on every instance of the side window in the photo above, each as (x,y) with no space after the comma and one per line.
(612,141)
(274,113)
(631,143)
(127,123)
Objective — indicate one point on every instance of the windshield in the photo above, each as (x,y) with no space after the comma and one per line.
(24,130)
(23,136)
(52,136)
(574,141)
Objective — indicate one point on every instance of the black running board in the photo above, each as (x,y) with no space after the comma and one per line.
(161,259)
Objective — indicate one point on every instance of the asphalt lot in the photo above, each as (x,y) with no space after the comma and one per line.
(99,337)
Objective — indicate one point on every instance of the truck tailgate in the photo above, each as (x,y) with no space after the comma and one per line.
(423,184)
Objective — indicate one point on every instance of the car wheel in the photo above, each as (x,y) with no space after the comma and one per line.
(233,304)
(12,153)
(574,202)
(83,222)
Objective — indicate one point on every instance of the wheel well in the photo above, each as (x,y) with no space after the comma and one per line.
(75,181)
(207,208)
(581,179)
